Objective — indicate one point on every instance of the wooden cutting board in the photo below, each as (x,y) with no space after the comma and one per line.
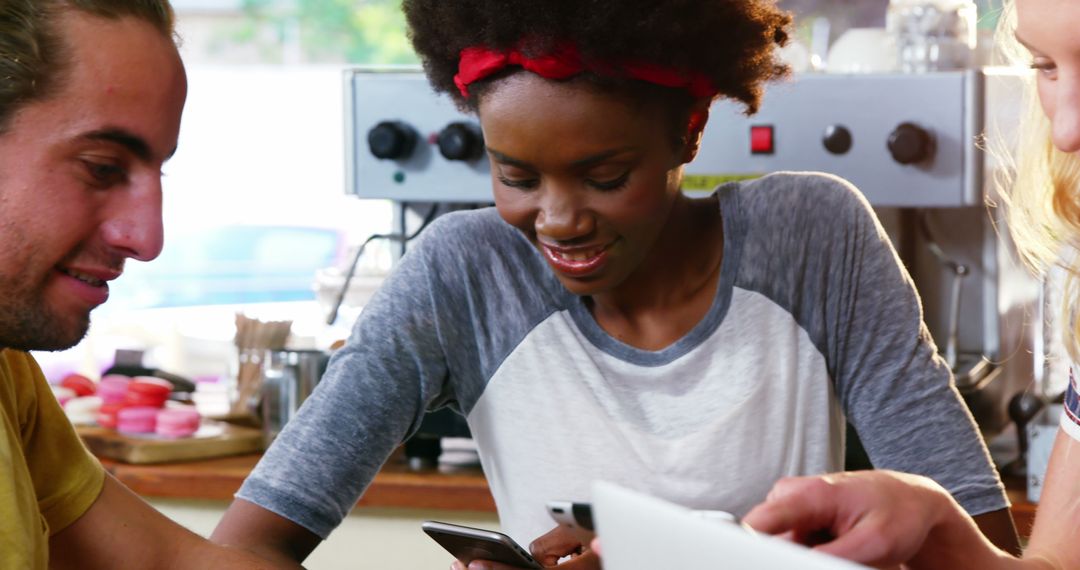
(214,439)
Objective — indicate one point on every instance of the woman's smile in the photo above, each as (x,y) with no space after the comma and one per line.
(577,261)
(556,148)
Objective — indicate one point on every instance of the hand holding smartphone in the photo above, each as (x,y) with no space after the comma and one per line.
(468,544)
(575,518)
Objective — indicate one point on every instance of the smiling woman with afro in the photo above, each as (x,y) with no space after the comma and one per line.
(600,324)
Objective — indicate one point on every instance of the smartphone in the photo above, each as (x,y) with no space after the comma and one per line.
(468,544)
(575,518)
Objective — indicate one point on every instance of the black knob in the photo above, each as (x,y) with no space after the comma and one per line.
(1022,408)
(837,139)
(461,141)
(910,144)
(392,140)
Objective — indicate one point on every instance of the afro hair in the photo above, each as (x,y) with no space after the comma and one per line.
(732,42)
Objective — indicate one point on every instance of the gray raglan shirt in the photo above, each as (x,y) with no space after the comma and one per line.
(814,321)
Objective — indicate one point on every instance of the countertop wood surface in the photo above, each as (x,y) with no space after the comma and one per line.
(449,488)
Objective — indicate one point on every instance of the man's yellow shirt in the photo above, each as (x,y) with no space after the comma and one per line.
(47,477)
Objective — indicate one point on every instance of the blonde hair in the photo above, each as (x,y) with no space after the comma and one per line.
(1039,189)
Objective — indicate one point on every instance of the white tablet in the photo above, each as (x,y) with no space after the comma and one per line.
(642,532)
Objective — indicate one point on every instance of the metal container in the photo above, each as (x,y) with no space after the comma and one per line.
(290,377)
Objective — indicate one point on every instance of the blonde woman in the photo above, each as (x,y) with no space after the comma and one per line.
(886,518)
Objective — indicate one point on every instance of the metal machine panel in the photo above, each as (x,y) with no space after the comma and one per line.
(947,107)
(425,175)
(870,108)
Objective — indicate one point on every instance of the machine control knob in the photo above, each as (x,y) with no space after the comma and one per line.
(837,139)
(911,144)
(460,141)
(392,140)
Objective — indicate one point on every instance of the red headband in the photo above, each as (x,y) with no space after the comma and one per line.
(564,62)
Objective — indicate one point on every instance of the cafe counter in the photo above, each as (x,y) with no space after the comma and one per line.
(396,486)
(382,532)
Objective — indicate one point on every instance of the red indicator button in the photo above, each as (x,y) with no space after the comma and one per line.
(761,139)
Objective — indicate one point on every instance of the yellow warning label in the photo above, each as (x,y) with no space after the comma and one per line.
(709,182)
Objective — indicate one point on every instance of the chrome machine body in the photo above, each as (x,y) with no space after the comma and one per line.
(908,142)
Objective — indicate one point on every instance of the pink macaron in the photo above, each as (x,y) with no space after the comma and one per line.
(178,422)
(140,419)
(112,388)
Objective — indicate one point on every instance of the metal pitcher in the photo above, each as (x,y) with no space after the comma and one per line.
(290,377)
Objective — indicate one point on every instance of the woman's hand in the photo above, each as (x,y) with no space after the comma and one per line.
(559,543)
(877,518)
(548,550)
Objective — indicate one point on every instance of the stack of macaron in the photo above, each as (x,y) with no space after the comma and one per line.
(132,406)
(144,398)
(73,386)
(112,390)
(76,394)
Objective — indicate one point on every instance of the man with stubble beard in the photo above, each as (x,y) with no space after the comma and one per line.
(91,94)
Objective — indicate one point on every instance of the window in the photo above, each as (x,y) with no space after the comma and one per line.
(255,200)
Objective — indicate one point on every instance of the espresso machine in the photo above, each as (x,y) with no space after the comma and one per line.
(907,141)
(912,143)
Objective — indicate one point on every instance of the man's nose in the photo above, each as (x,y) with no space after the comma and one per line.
(133,225)
(562,214)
